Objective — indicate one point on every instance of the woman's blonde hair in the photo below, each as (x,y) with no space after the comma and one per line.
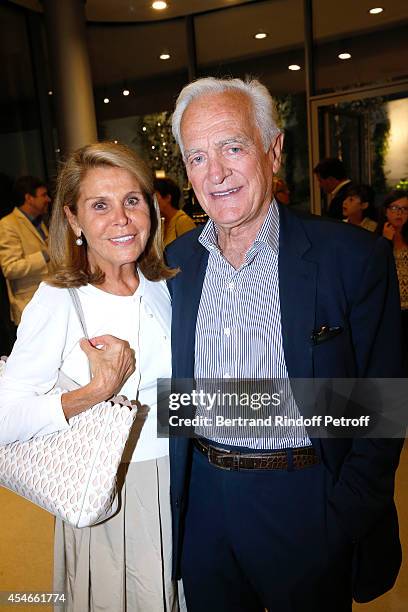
(69,262)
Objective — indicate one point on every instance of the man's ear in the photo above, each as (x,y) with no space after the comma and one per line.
(28,198)
(275,152)
(364,205)
(73,221)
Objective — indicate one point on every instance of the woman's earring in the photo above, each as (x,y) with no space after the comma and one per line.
(79,241)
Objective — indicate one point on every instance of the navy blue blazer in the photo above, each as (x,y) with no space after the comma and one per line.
(331,274)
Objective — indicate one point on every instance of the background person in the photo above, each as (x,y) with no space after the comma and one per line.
(23,243)
(332,177)
(276,520)
(105,241)
(176,221)
(394,226)
(281,191)
(358,206)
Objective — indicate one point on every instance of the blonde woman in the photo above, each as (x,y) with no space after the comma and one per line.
(105,241)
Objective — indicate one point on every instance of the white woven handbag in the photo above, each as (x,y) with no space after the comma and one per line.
(72,473)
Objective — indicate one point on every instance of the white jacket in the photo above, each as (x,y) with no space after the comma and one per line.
(48,340)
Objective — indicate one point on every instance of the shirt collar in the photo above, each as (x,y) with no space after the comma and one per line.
(36,221)
(268,232)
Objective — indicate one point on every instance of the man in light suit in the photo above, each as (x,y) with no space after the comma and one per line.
(290,523)
(23,243)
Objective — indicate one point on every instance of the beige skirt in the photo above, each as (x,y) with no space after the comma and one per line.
(123,564)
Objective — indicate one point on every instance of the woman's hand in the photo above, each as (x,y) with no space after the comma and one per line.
(389,231)
(111,365)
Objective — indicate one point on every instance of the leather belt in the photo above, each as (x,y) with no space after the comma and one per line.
(290,459)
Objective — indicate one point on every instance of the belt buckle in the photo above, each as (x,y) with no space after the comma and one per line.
(212,459)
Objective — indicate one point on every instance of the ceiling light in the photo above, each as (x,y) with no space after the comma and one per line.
(126,92)
(106,100)
(144,128)
(260,35)
(164,55)
(344,56)
(294,67)
(115,141)
(159,5)
(50,92)
(376,11)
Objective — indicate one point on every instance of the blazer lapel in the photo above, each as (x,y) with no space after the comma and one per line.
(297,290)
(187,295)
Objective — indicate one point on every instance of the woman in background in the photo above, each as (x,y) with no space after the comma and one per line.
(394,227)
(104,241)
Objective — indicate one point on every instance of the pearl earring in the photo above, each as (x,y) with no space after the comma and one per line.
(79,241)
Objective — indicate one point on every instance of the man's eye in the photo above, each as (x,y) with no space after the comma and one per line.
(195,161)
(235,150)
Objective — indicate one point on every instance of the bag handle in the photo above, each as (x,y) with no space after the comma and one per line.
(78,309)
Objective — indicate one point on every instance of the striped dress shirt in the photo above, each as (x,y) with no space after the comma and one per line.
(239,334)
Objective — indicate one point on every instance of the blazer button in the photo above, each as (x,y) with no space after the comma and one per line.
(178,502)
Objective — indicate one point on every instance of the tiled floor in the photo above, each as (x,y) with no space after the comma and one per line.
(26,534)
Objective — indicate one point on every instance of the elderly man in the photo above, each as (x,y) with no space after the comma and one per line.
(289,523)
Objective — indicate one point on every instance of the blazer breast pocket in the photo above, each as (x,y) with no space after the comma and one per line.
(332,350)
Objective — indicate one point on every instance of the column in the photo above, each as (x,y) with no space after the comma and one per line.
(75,110)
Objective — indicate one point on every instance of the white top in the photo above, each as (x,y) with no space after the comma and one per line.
(48,340)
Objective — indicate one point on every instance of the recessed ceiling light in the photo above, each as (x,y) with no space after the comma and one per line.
(115,141)
(294,67)
(144,128)
(260,35)
(344,56)
(164,56)
(106,100)
(126,92)
(159,5)
(376,11)
(50,92)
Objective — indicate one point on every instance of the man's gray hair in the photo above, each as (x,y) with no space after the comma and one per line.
(262,103)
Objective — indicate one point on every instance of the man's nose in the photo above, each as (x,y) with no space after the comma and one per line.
(218,170)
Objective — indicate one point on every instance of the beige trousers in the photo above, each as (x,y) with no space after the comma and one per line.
(123,564)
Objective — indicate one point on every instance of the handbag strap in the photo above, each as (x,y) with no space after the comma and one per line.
(78,309)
